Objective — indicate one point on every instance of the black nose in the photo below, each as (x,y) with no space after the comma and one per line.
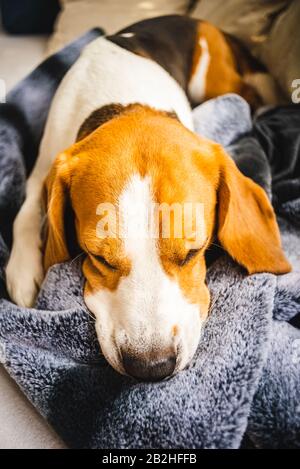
(149,370)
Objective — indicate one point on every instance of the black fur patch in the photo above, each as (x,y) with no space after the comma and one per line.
(168,40)
(99,117)
(105,114)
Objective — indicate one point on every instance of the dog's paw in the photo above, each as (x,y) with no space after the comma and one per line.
(24,275)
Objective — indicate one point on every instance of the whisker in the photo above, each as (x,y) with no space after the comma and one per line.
(212,304)
(75,258)
(217,245)
(91,315)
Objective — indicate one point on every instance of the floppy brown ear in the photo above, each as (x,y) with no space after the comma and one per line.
(56,192)
(248,229)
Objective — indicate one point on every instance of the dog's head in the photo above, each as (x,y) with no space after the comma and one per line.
(148,196)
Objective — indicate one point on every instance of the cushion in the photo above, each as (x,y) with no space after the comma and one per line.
(246,19)
(29,16)
(269,28)
(280,51)
(77,16)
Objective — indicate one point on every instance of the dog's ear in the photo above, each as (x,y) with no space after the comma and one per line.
(247,226)
(59,239)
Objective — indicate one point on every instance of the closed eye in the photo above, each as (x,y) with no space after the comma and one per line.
(102,260)
(190,255)
(193,253)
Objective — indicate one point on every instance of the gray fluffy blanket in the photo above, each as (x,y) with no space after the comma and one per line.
(243,385)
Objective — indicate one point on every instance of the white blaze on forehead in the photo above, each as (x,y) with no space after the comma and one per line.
(153,294)
(147,303)
(137,225)
(140,216)
(197,84)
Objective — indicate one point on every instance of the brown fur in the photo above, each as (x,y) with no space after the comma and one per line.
(173,42)
(183,167)
(224,74)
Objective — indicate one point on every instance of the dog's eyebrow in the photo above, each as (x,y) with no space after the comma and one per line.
(94,246)
(193,252)
(90,252)
(101,259)
(202,246)
(87,249)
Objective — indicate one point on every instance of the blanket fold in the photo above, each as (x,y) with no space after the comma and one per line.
(245,376)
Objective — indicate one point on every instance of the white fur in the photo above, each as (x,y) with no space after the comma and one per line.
(127,35)
(105,73)
(142,311)
(24,271)
(197,84)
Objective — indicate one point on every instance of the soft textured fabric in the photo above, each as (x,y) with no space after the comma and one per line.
(278,133)
(246,19)
(269,29)
(244,378)
(280,48)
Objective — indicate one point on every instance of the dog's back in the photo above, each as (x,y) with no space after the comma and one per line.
(205,61)
(108,74)
(162,62)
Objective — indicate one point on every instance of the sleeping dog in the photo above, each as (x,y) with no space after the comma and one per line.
(119,141)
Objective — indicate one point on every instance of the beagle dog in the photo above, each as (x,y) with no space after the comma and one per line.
(119,145)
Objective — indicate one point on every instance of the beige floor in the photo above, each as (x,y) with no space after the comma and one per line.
(21,426)
(19,55)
